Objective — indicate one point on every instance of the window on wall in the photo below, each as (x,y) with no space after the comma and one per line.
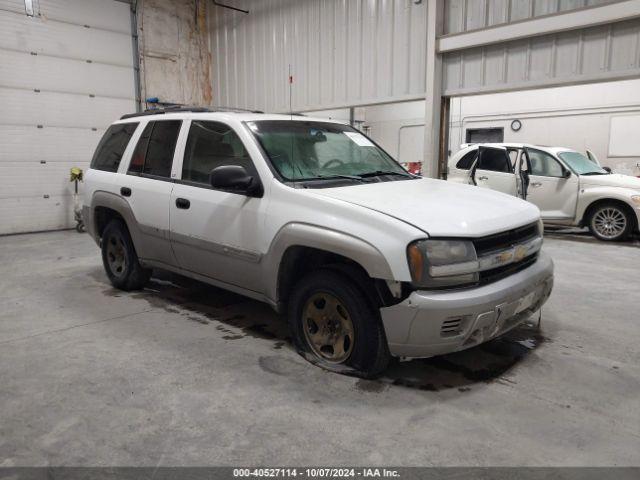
(154,152)
(485,135)
(112,146)
(211,145)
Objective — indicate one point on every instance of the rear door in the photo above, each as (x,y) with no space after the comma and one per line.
(147,187)
(552,188)
(494,170)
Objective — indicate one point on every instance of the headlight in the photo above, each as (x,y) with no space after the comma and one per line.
(635,199)
(541,227)
(442,263)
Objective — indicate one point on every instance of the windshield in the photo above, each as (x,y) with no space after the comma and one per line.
(580,164)
(311,150)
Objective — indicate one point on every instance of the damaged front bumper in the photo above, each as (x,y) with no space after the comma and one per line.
(430,323)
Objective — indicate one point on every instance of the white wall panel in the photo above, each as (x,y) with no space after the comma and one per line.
(24,107)
(25,71)
(59,39)
(65,74)
(599,53)
(466,15)
(341,52)
(27,143)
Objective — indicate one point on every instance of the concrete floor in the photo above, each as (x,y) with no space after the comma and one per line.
(185,374)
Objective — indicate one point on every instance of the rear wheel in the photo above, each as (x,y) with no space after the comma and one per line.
(335,324)
(120,259)
(610,222)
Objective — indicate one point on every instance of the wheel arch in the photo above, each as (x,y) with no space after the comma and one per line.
(299,248)
(591,207)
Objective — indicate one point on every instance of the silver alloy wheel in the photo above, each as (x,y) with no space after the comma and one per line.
(116,255)
(610,222)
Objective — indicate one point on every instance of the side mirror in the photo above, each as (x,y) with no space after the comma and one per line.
(566,174)
(235,179)
(607,169)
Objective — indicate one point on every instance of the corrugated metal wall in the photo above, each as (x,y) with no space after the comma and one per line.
(341,52)
(465,15)
(594,54)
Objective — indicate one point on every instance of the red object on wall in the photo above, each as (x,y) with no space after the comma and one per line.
(413,167)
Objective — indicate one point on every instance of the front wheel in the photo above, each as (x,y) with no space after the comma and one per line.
(336,325)
(120,259)
(610,222)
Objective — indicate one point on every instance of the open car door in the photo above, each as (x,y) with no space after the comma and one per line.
(493,169)
(591,156)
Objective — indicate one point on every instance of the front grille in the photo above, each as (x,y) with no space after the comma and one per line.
(495,274)
(504,240)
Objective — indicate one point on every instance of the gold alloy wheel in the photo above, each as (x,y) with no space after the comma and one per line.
(328,328)
(116,255)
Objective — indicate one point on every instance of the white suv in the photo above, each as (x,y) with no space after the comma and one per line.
(568,187)
(313,218)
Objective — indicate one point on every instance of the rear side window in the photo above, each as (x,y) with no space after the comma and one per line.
(467,160)
(154,153)
(111,147)
(494,160)
(210,145)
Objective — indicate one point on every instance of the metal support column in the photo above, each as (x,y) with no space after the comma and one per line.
(435,28)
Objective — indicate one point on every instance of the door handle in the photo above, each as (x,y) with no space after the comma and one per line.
(183,203)
(125,191)
(483,178)
(536,184)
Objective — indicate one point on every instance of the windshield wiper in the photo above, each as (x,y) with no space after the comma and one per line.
(383,172)
(596,173)
(331,177)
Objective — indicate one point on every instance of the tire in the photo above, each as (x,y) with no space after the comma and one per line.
(610,222)
(120,259)
(359,350)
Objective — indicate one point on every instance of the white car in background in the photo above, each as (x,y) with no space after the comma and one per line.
(569,188)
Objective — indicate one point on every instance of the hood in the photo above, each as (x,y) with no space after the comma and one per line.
(440,208)
(612,180)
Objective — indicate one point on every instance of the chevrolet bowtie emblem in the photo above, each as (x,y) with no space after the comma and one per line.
(520,253)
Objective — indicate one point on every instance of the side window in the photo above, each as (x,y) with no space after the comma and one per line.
(154,152)
(210,145)
(467,160)
(111,147)
(495,160)
(543,164)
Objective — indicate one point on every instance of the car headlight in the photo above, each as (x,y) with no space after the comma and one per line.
(541,227)
(442,263)
(635,199)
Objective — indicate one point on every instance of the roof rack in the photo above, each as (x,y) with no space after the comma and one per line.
(182,108)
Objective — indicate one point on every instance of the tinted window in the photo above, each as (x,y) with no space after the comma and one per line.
(495,160)
(543,164)
(467,160)
(137,159)
(111,147)
(154,153)
(210,145)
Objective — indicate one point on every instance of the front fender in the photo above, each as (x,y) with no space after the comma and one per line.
(590,195)
(322,238)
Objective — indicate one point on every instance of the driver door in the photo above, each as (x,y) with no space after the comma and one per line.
(494,170)
(552,188)
(216,233)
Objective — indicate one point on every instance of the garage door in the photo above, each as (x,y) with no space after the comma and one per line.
(66,72)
